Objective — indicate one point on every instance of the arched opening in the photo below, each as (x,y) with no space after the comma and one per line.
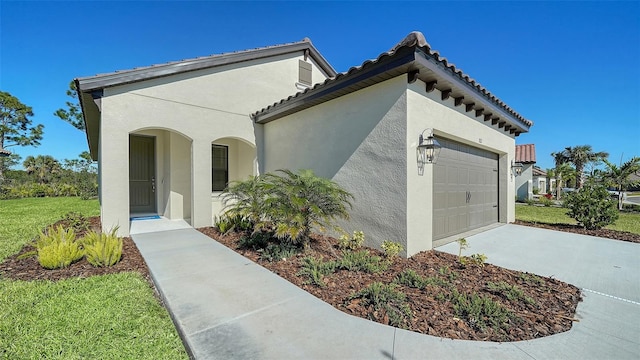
(160,174)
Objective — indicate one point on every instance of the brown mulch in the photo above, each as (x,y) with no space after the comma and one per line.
(603,233)
(27,268)
(552,312)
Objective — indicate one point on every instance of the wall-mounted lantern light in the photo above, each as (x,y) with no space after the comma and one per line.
(428,150)
(516,168)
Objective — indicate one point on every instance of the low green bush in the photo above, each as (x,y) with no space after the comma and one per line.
(511,292)
(278,251)
(410,278)
(316,269)
(480,311)
(354,242)
(362,261)
(102,249)
(386,297)
(256,241)
(77,221)
(592,206)
(391,249)
(57,248)
(545,201)
(228,223)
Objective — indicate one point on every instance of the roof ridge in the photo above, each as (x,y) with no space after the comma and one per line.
(306,40)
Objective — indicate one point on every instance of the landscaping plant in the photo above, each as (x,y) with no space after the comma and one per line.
(592,206)
(57,248)
(102,249)
(391,249)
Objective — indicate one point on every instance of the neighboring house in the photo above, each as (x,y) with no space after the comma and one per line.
(539,178)
(169,137)
(526,157)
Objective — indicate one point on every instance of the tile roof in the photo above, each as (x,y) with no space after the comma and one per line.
(120,77)
(526,153)
(413,41)
(538,172)
(4,152)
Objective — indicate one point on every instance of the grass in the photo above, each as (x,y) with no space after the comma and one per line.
(552,215)
(22,219)
(101,317)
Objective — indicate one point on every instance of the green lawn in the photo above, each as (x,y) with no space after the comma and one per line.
(553,215)
(102,317)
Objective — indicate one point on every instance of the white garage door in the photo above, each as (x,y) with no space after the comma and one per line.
(465,189)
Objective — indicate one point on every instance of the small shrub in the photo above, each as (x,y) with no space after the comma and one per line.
(545,201)
(462,242)
(529,201)
(362,261)
(536,191)
(480,311)
(277,252)
(354,242)
(391,249)
(446,272)
(410,278)
(477,259)
(77,221)
(511,292)
(386,297)
(592,207)
(228,223)
(102,249)
(315,270)
(57,248)
(531,279)
(256,241)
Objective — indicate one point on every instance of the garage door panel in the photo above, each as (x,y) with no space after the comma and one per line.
(465,190)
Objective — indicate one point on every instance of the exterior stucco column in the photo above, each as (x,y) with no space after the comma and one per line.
(114,184)
(201,214)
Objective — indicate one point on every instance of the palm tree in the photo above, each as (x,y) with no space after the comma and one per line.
(620,176)
(43,166)
(580,156)
(560,160)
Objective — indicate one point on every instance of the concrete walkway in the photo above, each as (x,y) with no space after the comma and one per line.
(227,307)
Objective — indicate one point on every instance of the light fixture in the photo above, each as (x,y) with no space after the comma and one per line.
(516,168)
(428,150)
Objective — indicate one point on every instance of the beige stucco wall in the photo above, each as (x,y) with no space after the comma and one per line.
(187,113)
(366,141)
(358,140)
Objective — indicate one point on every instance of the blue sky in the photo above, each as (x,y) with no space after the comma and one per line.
(573,68)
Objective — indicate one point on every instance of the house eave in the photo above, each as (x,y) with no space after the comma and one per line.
(156,71)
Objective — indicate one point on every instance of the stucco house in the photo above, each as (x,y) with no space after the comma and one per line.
(525,160)
(168,138)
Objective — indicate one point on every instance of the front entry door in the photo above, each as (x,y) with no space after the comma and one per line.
(142,174)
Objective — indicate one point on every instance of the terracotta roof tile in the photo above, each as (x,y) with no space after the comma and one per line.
(526,153)
(536,171)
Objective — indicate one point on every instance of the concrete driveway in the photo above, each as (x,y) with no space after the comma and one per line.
(608,272)
(227,307)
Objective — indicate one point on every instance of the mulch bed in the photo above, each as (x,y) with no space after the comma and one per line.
(553,311)
(27,268)
(432,313)
(603,233)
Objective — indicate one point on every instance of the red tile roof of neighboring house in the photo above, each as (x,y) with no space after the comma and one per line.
(526,153)
(4,152)
(402,58)
(538,172)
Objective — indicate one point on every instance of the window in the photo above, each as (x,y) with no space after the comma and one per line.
(304,73)
(219,167)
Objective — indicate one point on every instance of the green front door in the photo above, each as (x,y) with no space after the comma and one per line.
(142,174)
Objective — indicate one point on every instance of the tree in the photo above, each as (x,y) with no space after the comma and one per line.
(44,167)
(580,156)
(73,113)
(15,125)
(591,206)
(6,163)
(620,176)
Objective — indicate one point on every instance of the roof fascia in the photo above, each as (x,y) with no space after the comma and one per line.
(437,68)
(135,75)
